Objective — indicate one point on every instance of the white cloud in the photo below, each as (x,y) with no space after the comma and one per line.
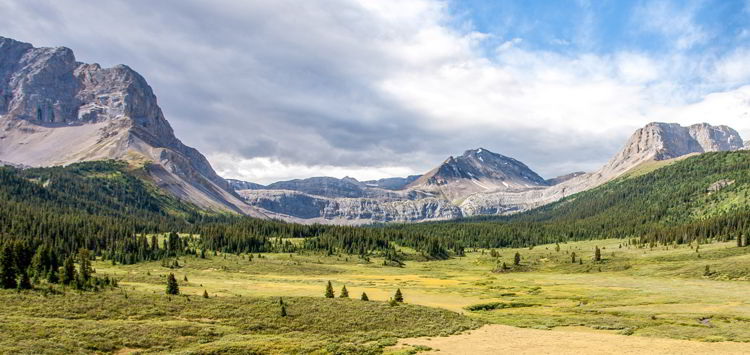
(273,89)
(268,170)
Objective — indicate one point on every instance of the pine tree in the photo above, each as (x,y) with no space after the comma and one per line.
(398,297)
(329,290)
(517,259)
(597,254)
(364,297)
(69,271)
(7,267)
(344,292)
(205,294)
(172,287)
(283,310)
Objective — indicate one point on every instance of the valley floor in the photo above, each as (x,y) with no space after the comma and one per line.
(635,298)
(494,339)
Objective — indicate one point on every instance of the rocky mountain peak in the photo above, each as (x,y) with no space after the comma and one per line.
(662,141)
(56,111)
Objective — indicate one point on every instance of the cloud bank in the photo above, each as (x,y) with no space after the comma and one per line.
(273,89)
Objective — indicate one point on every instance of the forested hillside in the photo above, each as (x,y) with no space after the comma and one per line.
(106,207)
(702,197)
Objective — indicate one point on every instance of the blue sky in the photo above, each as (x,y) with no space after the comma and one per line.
(606,26)
(278,89)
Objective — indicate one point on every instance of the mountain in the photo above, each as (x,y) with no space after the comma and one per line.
(563,178)
(244,185)
(653,145)
(478,170)
(701,196)
(57,111)
(480,182)
(396,183)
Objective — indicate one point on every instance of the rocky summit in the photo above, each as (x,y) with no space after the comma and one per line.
(480,182)
(57,111)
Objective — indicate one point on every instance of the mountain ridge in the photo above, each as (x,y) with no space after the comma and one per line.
(55,110)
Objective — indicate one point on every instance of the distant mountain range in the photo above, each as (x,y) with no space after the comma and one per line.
(57,111)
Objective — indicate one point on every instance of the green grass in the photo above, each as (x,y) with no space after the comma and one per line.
(659,292)
(123,319)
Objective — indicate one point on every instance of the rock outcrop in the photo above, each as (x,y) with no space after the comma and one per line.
(480,182)
(57,111)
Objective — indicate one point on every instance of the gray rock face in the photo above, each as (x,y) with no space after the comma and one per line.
(563,178)
(484,183)
(397,183)
(244,185)
(56,111)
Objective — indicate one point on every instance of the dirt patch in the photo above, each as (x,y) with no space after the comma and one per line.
(496,339)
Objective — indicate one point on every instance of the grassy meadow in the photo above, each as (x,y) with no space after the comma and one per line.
(667,292)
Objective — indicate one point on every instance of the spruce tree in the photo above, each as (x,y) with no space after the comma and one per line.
(364,297)
(283,310)
(398,297)
(597,254)
(344,292)
(329,290)
(172,287)
(7,267)
(84,265)
(69,271)
(517,259)
(52,277)
(205,294)
(24,283)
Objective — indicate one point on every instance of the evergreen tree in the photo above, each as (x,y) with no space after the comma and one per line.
(597,254)
(364,297)
(329,290)
(344,292)
(517,259)
(205,294)
(185,278)
(283,310)
(7,267)
(84,265)
(172,287)
(24,283)
(69,271)
(52,276)
(573,257)
(398,297)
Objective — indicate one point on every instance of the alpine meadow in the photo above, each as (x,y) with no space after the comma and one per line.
(374,177)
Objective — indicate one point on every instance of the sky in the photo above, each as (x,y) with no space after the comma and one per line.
(273,90)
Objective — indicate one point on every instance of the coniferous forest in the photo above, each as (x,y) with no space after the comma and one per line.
(50,215)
